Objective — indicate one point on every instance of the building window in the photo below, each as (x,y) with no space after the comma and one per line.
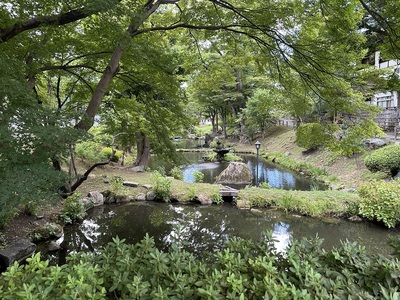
(385,101)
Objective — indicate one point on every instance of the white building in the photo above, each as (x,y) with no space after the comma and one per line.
(388,119)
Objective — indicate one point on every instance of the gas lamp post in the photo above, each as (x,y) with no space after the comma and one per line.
(258,144)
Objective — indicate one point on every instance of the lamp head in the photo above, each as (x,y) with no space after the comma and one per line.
(258,144)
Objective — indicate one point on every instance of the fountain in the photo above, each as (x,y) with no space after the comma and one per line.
(221,151)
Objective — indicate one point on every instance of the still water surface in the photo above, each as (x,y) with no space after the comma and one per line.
(276,176)
(205,228)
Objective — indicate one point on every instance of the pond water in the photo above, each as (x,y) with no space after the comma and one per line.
(276,176)
(205,228)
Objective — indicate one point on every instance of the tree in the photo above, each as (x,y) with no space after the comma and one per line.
(382,27)
(262,110)
(72,56)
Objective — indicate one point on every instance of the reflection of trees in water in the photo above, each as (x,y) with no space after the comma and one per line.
(200,230)
(205,229)
(75,240)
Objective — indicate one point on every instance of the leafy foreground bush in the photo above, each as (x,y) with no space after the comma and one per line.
(380,201)
(385,159)
(243,270)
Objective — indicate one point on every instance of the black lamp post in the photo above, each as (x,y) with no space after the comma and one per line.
(258,144)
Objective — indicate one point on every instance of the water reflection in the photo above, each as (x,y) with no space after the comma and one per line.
(276,176)
(205,229)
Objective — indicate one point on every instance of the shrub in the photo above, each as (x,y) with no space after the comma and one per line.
(380,201)
(311,136)
(108,152)
(177,173)
(211,156)
(73,209)
(161,186)
(89,151)
(217,198)
(117,184)
(385,159)
(242,270)
(191,192)
(198,176)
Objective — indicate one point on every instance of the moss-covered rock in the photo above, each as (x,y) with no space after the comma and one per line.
(235,173)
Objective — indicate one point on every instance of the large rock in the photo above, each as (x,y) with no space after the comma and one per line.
(18,251)
(96,197)
(203,199)
(47,231)
(151,196)
(235,173)
(375,143)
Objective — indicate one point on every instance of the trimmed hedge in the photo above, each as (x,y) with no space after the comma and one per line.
(385,159)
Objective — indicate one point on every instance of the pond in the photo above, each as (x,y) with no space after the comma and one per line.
(205,228)
(276,176)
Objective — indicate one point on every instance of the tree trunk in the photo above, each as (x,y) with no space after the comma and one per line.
(224,117)
(113,66)
(143,152)
(111,70)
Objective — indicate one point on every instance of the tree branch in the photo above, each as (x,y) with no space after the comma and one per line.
(52,20)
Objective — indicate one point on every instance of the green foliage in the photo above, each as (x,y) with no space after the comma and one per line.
(217,198)
(232,157)
(301,167)
(211,156)
(310,203)
(385,159)
(34,143)
(73,208)
(108,152)
(177,173)
(380,201)
(242,270)
(38,280)
(311,136)
(90,151)
(261,111)
(117,184)
(264,185)
(192,192)
(29,185)
(352,137)
(198,176)
(161,186)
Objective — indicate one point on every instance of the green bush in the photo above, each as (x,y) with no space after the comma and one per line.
(191,192)
(161,186)
(73,209)
(217,198)
(108,152)
(90,151)
(177,173)
(117,184)
(198,176)
(311,136)
(385,159)
(380,201)
(242,270)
